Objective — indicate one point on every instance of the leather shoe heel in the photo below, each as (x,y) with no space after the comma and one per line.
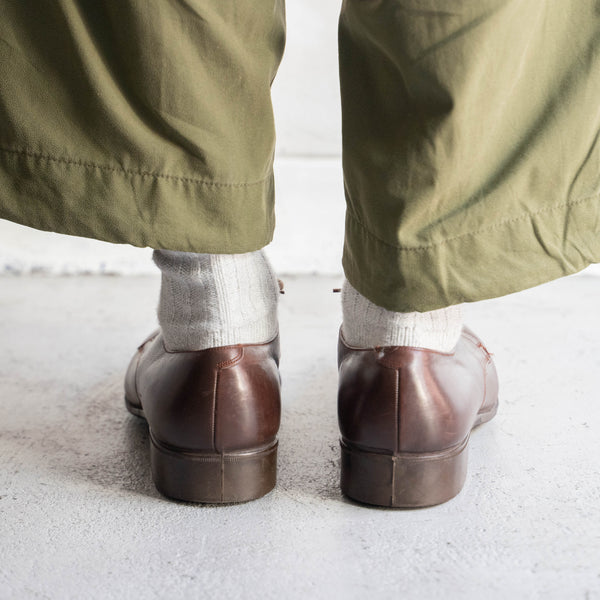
(213,417)
(404,480)
(405,417)
(213,478)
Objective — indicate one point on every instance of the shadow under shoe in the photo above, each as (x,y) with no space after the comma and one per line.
(213,417)
(405,416)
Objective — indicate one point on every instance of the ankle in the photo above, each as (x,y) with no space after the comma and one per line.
(211,300)
(366,325)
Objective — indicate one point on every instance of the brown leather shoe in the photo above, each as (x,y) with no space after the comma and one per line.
(405,417)
(213,417)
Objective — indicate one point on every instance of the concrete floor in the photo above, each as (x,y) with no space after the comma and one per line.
(80,518)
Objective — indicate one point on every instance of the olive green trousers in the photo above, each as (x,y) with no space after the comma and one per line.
(470,134)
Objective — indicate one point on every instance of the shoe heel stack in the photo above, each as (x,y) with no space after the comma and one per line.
(405,480)
(212,477)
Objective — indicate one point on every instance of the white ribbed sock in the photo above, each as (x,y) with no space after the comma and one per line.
(366,325)
(209,300)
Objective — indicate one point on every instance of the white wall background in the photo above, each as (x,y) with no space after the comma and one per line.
(310,202)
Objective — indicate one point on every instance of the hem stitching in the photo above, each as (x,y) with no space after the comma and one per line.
(469,233)
(139,173)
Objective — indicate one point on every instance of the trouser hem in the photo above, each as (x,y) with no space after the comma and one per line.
(503,258)
(136,206)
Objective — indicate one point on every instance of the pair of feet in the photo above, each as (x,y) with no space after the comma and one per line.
(405,416)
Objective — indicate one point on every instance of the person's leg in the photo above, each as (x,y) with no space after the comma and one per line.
(150,123)
(471,171)
(209,300)
(141,122)
(470,133)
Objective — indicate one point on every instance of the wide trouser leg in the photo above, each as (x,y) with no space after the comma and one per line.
(470,143)
(140,121)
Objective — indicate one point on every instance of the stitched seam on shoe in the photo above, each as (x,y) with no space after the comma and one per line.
(213,456)
(214,410)
(397,385)
(416,456)
(493,227)
(388,359)
(135,377)
(130,172)
(232,361)
(484,383)
(485,369)
(478,344)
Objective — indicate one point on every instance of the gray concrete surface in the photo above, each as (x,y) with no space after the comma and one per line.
(80,518)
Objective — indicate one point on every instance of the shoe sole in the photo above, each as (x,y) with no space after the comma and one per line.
(211,477)
(406,479)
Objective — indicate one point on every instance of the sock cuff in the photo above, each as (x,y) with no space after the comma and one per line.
(210,300)
(366,325)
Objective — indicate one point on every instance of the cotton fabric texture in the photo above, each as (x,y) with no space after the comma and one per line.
(140,121)
(470,134)
(210,300)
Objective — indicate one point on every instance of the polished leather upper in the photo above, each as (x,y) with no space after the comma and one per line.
(216,400)
(402,399)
